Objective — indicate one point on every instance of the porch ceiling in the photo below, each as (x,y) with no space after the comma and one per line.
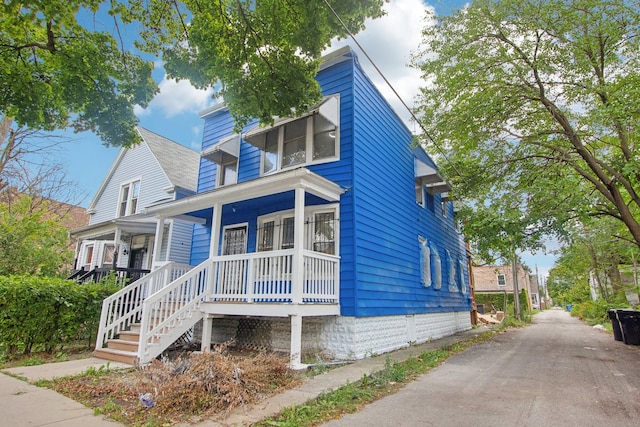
(259,187)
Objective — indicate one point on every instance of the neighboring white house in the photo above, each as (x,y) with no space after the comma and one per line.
(155,171)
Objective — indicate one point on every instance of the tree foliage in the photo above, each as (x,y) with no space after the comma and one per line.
(56,72)
(32,238)
(536,103)
(59,68)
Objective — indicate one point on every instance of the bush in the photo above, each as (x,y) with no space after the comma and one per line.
(594,312)
(45,314)
(497,300)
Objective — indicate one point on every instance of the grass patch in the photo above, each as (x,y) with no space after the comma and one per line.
(352,397)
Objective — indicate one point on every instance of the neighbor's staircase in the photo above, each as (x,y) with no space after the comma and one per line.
(144,318)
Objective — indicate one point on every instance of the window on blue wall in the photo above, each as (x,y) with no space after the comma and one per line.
(463,286)
(436,266)
(451,264)
(228,173)
(420,194)
(430,202)
(425,262)
(443,207)
(313,138)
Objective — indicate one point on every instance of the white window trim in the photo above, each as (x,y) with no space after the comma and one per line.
(309,212)
(120,194)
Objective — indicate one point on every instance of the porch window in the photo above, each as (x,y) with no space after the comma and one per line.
(323,233)
(107,256)
(88,257)
(292,142)
(129,194)
(276,231)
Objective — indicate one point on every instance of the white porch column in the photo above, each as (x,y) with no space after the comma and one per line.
(298,248)
(216,222)
(207,329)
(295,361)
(117,246)
(157,243)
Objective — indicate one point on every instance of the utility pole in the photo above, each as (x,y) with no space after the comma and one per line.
(516,292)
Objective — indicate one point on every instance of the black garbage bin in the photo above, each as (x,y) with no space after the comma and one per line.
(630,325)
(615,325)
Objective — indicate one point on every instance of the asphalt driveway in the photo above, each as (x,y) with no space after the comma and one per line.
(556,372)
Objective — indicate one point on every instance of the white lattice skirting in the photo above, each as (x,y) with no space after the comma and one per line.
(343,338)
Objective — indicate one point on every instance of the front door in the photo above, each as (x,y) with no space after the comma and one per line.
(136,258)
(234,242)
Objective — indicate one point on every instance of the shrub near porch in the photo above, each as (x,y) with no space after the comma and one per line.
(46,314)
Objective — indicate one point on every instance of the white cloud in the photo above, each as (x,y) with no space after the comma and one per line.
(177,97)
(390,41)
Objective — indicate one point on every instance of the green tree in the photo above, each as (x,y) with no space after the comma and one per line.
(58,68)
(32,238)
(537,105)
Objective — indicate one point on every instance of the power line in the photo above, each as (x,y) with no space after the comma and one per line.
(413,116)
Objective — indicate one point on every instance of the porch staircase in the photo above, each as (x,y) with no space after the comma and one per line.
(144,318)
(123,349)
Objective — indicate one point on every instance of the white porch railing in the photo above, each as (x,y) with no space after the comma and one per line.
(124,308)
(267,277)
(171,311)
(262,277)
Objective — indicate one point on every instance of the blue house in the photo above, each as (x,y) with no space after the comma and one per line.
(326,232)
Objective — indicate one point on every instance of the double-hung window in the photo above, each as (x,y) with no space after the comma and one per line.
(129,194)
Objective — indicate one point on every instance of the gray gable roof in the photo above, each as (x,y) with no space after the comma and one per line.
(178,162)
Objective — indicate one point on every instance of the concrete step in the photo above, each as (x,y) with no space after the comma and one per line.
(127,345)
(114,355)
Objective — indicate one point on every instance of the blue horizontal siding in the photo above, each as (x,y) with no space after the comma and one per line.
(387,219)
(379,219)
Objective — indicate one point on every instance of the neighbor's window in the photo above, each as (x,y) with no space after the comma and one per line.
(107,256)
(88,257)
(129,194)
(501,280)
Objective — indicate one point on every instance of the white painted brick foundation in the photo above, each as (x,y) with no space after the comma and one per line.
(343,338)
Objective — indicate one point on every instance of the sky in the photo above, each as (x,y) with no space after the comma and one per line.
(173,113)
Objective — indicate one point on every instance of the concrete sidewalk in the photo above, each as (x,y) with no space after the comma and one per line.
(23,404)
